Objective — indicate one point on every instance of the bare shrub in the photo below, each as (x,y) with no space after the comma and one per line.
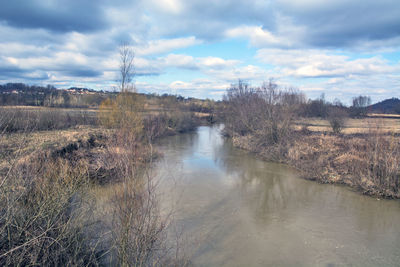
(122,112)
(337,118)
(45,209)
(267,113)
(139,228)
(44,215)
(155,126)
(382,160)
(181,121)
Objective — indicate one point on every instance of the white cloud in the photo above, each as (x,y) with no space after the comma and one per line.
(300,41)
(56,61)
(322,63)
(255,34)
(21,49)
(182,61)
(216,62)
(200,88)
(202,64)
(165,45)
(173,7)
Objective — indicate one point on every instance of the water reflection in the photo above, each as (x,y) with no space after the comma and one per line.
(243,211)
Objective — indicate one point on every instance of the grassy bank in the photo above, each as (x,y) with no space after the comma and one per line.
(363,153)
(51,162)
(368,161)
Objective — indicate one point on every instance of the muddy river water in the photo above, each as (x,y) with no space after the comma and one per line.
(237,210)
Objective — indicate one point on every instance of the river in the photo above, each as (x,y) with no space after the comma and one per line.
(237,210)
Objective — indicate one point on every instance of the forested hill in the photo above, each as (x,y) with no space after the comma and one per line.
(32,95)
(19,94)
(388,106)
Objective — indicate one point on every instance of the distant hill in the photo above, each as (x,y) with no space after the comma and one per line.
(30,95)
(23,94)
(388,106)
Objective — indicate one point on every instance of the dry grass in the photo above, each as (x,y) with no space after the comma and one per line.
(42,108)
(381,115)
(365,157)
(81,201)
(368,162)
(352,126)
(45,213)
(49,212)
(29,145)
(16,119)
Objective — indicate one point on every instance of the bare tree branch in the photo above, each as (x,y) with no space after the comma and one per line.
(126,68)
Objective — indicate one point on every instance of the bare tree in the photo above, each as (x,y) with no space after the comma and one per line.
(266,112)
(126,68)
(360,105)
(361,101)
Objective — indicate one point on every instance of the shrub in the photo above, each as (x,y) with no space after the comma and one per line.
(123,112)
(44,216)
(337,118)
(266,112)
(382,160)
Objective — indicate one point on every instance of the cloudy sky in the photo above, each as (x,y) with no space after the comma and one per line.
(342,48)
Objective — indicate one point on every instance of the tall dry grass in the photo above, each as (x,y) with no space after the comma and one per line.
(46,210)
(20,120)
(45,214)
(369,161)
(380,169)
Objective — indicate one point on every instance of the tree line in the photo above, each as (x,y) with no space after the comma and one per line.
(271,110)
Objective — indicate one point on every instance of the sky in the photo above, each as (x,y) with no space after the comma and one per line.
(198,48)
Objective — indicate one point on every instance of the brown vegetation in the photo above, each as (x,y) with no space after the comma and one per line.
(43,119)
(46,210)
(368,161)
(337,118)
(266,113)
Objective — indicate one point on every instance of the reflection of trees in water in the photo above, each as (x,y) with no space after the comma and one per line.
(183,144)
(269,189)
(272,191)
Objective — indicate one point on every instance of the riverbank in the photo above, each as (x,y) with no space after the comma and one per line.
(229,201)
(48,175)
(368,163)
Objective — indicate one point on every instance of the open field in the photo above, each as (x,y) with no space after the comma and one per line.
(26,144)
(379,115)
(151,107)
(38,108)
(354,126)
